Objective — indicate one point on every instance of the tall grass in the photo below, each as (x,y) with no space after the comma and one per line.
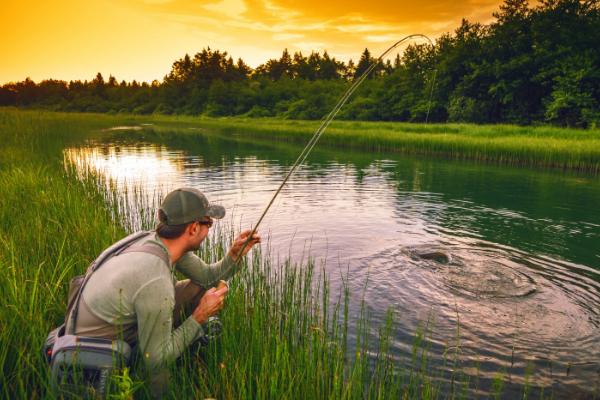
(545,147)
(52,226)
(284,337)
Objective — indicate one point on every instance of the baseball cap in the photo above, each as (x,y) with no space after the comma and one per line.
(185,205)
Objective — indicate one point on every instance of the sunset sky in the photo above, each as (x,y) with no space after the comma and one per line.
(140,39)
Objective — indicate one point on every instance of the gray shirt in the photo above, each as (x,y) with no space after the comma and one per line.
(137,290)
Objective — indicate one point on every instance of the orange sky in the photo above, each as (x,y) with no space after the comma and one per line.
(140,39)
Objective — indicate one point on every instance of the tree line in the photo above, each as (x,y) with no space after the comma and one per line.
(532,64)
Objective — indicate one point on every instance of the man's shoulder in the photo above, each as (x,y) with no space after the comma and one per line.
(150,246)
(143,259)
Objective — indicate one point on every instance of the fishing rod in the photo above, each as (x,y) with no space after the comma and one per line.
(325,123)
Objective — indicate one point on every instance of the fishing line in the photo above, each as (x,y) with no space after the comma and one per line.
(430,96)
(313,140)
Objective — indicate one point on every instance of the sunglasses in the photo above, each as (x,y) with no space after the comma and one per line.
(208,223)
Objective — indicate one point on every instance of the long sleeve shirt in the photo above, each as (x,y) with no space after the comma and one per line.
(133,295)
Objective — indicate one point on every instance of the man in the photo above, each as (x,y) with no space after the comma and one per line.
(134,296)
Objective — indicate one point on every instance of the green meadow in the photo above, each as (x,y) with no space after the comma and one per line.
(284,336)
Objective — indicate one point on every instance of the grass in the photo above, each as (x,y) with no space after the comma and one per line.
(544,147)
(526,146)
(284,336)
(52,227)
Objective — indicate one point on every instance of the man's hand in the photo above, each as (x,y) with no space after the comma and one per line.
(210,304)
(238,243)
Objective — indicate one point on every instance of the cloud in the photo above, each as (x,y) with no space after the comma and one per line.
(230,8)
(389,11)
(157,1)
(350,15)
(342,28)
(287,36)
(381,38)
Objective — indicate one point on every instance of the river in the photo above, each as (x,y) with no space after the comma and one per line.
(504,260)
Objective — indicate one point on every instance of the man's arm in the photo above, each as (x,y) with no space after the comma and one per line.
(159,343)
(203,274)
(208,275)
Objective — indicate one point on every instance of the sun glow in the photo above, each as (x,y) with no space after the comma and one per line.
(140,39)
(150,165)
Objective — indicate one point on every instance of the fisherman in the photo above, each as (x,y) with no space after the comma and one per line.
(135,297)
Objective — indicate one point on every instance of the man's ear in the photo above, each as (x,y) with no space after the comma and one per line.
(191,229)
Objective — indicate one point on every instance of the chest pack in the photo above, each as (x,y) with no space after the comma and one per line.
(81,366)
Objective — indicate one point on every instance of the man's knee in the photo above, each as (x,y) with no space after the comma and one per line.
(187,292)
(187,297)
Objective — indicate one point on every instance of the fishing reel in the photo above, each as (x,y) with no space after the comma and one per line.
(212,330)
(213,327)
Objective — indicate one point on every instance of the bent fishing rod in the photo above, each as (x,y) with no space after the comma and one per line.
(324,124)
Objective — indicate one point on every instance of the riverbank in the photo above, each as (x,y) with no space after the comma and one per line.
(523,146)
(537,147)
(283,337)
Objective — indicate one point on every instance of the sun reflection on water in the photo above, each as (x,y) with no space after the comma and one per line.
(149,165)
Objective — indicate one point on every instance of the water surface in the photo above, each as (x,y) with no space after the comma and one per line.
(506,261)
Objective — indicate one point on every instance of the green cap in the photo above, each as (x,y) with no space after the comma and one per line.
(185,205)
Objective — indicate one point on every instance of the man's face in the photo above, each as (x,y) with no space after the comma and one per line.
(199,231)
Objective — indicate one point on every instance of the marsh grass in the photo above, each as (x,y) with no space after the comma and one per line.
(285,336)
(543,147)
(51,225)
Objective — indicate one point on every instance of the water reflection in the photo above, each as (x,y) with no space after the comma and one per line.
(515,253)
(149,165)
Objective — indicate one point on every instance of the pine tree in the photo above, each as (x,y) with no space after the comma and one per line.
(363,64)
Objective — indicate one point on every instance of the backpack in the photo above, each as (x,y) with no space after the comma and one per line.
(81,365)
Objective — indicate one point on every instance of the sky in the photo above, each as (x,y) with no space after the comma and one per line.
(140,39)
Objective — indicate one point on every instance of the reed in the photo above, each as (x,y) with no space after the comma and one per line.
(52,226)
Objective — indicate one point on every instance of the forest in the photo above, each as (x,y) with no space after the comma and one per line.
(532,65)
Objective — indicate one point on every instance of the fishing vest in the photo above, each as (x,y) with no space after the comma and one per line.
(81,364)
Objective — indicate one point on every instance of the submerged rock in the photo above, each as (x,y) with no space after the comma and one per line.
(437,256)
(430,254)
